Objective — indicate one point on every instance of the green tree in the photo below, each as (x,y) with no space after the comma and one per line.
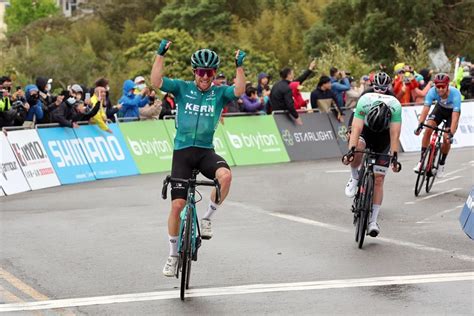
(201,18)
(22,12)
(417,54)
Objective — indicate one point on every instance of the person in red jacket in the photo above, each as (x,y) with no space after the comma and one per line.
(300,103)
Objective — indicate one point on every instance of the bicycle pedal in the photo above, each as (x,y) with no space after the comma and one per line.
(198,242)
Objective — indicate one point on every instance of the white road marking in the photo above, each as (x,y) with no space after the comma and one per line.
(454,171)
(426,220)
(447,180)
(307,221)
(338,171)
(433,195)
(240,290)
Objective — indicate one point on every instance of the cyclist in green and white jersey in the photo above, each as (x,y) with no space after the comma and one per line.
(376,125)
(199,105)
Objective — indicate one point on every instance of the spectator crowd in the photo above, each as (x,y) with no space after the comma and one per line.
(334,92)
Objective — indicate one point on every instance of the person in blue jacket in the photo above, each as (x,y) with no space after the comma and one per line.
(132,102)
(35,112)
(339,84)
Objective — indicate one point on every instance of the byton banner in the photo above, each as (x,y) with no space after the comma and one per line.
(106,153)
(254,140)
(220,145)
(12,179)
(66,155)
(33,159)
(315,139)
(149,144)
(464,136)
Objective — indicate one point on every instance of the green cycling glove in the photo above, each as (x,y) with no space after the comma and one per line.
(239,58)
(163,48)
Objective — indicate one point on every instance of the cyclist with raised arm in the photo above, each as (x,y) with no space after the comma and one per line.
(448,107)
(199,104)
(376,125)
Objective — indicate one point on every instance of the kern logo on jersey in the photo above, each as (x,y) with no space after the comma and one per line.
(195,109)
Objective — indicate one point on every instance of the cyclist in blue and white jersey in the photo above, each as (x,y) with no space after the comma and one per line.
(199,105)
(448,107)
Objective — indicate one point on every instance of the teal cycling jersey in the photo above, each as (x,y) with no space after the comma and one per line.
(197,112)
(365,103)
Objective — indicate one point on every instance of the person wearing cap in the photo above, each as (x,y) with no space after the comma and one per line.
(220,79)
(339,84)
(324,99)
(72,109)
(35,111)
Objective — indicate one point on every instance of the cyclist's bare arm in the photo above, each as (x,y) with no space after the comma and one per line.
(239,82)
(356,130)
(157,71)
(395,130)
(455,121)
(424,114)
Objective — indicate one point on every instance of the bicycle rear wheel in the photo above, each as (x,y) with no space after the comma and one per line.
(420,178)
(186,255)
(366,203)
(431,175)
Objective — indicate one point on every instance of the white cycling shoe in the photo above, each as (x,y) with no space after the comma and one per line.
(351,188)
(373,229)
(417,167)
(440,173)
(169,270)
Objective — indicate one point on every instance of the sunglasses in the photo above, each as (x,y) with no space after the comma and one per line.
(380,89)
(441,86)
(210,72)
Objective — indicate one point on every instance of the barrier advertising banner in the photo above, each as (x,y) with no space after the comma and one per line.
(340,131)
(254,140)
(106,153)
(220,145)
(66,155)
(315,139)
(33,159)
(149,144)
(467,215)
(12,179)
(464,136)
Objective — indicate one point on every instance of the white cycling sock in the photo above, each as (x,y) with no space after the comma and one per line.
(355,173)
(375,213)
(210,210)
(173,245)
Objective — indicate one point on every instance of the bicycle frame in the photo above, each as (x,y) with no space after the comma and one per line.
(435,142)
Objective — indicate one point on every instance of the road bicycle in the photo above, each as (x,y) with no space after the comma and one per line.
(363,200)
(430,159)
(189,239)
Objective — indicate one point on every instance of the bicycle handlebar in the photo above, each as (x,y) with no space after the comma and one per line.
(436,128)
(350,157)
(193,182)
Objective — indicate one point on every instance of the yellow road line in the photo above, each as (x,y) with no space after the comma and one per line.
(10,297)
(23,287)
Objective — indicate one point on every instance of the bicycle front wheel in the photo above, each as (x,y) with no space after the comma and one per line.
(186,255)
(366,193)
(420,178)
(431,174)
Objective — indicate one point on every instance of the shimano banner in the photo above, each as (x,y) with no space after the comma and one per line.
(464,136)
(12,179)
(315,139)
(66,154)
(254,140)
(33,159)
(149,144)
(220,145)
(106,153)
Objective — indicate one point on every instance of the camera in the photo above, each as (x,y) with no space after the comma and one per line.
(17,104)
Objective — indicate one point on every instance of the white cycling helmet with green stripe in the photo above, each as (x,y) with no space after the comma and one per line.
(205,58)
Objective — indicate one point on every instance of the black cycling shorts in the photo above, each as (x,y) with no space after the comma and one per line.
(439,113)
(186,160)
(379,143)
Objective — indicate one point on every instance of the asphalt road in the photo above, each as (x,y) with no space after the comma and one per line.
(283,243)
